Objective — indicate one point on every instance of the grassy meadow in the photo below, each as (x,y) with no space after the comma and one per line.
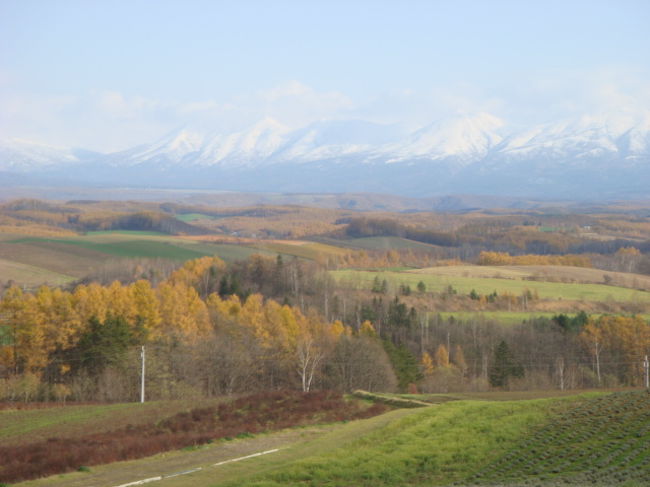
(547,273)
(486,285)
(437,445)
(194,217)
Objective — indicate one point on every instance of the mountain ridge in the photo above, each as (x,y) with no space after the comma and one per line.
(586,156)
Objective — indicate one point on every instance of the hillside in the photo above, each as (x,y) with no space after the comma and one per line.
(592,439)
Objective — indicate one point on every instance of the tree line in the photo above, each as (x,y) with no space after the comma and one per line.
(266,324)
(203,339)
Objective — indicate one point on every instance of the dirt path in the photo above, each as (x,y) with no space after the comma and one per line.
(292,444)
(176,461)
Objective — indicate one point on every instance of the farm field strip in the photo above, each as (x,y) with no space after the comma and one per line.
(130,233)
(551,273)
(379,243)
(31,275)
(306,250)
(55,257)
(154,245)
(59,254)
(192,217)
(32,261)
(506,317)
(464,285)
(125,248)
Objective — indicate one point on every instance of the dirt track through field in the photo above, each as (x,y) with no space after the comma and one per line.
(169,463)
(294,444)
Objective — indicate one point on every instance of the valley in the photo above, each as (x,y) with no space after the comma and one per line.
(490,325)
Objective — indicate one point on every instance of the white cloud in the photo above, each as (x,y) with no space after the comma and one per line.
(112,120)
(290,89)
(417,108)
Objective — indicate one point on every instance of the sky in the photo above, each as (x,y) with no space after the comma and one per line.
(108,75)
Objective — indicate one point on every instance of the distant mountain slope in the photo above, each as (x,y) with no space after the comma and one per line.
(589,156)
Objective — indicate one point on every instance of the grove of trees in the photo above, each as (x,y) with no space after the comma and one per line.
(266,324)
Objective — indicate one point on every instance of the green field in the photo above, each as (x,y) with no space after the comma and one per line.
(382,243)
(437,445)
(305,250)
(603,441)
(128,248)
(148,245)
(227,252)
(32,261)
(132,233)
(190,217)
(504,317)
(543,273)
(464,285)
(30,275)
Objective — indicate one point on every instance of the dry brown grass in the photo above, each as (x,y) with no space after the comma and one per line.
(60,258)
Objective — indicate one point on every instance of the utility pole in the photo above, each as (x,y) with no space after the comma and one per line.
(142,381)
(646,368)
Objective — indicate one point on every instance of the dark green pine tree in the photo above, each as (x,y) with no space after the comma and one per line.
(404,364)
(504,367)
(105,344)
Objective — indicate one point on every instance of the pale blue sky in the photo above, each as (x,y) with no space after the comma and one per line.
(109,74)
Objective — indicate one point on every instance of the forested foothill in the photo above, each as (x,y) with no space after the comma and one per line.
(241,300)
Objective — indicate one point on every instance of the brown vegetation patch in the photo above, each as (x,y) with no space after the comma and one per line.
(252,414)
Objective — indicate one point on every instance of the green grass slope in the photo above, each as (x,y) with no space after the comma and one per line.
(592,439)
(603,441)
(127,248)
(589,439)
(430,446)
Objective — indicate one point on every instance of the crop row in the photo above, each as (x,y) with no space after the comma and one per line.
(604,440)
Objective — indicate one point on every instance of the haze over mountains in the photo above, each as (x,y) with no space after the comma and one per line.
(605,155)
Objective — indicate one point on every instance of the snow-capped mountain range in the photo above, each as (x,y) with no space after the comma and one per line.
(584,157)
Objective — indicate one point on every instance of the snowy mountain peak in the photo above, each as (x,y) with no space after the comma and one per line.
(268,124)
(467,138)
(20,154)
(597,153)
